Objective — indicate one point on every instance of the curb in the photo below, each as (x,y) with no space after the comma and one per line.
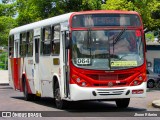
(156,103)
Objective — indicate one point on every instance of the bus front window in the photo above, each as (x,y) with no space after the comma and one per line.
(107,49)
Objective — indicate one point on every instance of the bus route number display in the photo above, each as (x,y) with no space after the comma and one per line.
(111,21)
(98,20)
(83,61)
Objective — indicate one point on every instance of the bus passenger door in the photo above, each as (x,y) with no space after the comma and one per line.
(16,62)
(36,53)
(65,63)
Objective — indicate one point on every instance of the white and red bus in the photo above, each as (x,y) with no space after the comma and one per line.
(89,55)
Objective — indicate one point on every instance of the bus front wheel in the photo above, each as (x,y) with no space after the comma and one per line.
(123,103)
(60,104)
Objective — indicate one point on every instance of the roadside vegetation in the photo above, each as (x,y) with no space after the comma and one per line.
(3,60)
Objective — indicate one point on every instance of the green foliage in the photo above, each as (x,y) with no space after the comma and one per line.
(6,23)
(7,11)
(91,4)
(149,37)
(118,5)
(146,8)
(34,10)
(8,1)
(3,60)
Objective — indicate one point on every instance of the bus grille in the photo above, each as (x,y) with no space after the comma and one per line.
(110,76)
(110,91)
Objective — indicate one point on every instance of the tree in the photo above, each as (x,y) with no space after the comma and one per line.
(7,8)
(6,23)
(7,11)
(3,61)
(35,10)
(144,7)
(91,4)
(118,5)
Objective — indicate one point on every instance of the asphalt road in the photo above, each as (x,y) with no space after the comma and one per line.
(11,100)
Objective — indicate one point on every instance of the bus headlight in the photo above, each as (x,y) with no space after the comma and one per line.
(135,82)
(83,84)
(79,81)
(138,80)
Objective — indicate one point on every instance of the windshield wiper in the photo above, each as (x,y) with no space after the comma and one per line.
(118,37)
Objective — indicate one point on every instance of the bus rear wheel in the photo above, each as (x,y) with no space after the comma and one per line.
(27,96)
(60,104)
(123,103)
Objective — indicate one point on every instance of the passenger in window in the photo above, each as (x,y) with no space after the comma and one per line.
(11,53)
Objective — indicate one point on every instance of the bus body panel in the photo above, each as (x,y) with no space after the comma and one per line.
(84,93)
(29,73)
(15,64)
(46,72)
(10,72)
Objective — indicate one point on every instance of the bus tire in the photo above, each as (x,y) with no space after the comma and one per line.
(150,84)
(123,103)
(27,96)
(37,98)
(60,104)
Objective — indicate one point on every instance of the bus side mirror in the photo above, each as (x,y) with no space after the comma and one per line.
(67,40)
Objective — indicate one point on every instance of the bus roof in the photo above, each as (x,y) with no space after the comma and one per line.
(107,11)
(63,18)
(39,24)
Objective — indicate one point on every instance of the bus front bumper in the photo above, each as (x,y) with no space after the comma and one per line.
(94,93)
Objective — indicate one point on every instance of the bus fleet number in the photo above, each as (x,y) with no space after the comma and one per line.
(83,61)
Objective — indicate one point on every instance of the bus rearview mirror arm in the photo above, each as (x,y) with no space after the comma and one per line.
(67,44)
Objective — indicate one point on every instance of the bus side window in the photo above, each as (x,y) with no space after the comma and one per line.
(46,41)
(56,40)
(23,44)
(30,43)
(11,46)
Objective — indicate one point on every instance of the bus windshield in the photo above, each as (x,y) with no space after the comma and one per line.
(107,49)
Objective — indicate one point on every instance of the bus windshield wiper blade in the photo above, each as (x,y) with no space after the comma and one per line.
(118,36)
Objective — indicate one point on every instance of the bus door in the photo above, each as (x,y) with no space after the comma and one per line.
(36,53)
(65,36)
(16,62)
